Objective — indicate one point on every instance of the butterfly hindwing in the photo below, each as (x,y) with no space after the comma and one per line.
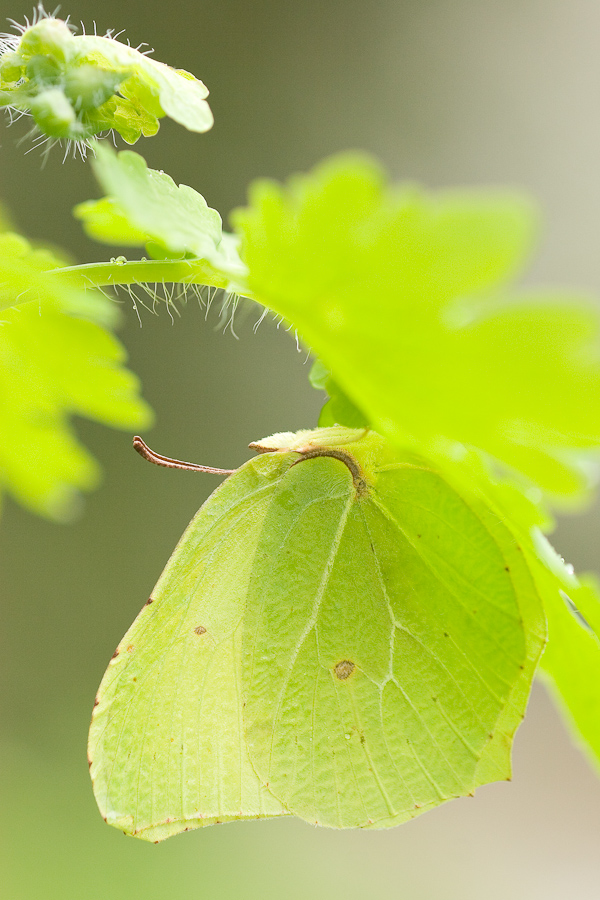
(167,748)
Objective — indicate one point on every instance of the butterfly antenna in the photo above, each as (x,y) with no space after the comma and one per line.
(144,450)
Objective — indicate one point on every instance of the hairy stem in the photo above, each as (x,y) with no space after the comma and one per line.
(151,271)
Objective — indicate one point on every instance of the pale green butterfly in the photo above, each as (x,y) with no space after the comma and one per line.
(338,636)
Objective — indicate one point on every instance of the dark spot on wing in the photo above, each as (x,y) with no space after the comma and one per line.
(200,629)
(115,654)
(149,600)
(344,669)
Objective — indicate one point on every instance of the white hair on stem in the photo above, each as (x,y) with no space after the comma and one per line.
(173,293)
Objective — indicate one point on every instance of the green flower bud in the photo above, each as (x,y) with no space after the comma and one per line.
(77,86)
(49,37)
(43,70)
(54,115)
(11,68)
(88,86)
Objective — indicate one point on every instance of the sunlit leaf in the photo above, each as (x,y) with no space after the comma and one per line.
(146,207)
(403,296)
(57,359)
(339,409)
(105,221)
(571,661)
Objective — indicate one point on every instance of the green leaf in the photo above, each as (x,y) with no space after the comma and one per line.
(24,278)
(144,206)
(571,662)
(338,625)
(339,409)
(76,86)
(403,297)
(105,221)
(164,91)
(57,359)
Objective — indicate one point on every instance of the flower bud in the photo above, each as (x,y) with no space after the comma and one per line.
(88,86)
(54,115)
(49,37)
(11,68)
(78,86)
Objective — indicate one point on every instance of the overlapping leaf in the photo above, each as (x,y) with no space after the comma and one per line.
(57,359)
(338,409)
(403,296)
(571,662)
(146,207)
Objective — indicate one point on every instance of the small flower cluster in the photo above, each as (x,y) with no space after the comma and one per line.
(78,86)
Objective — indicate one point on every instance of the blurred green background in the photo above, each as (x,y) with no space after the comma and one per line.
(445,92)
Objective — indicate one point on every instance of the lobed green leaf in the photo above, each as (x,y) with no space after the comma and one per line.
(146,207)
(339,409)
(403,297)
(571,662)
(57,359)
(570,665)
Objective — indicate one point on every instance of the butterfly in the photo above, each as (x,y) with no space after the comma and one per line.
(339,635)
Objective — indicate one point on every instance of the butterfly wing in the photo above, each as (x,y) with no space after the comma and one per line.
(383,645)
(351,656)
(167,750)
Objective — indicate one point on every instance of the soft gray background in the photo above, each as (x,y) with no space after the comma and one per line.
(455,92)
